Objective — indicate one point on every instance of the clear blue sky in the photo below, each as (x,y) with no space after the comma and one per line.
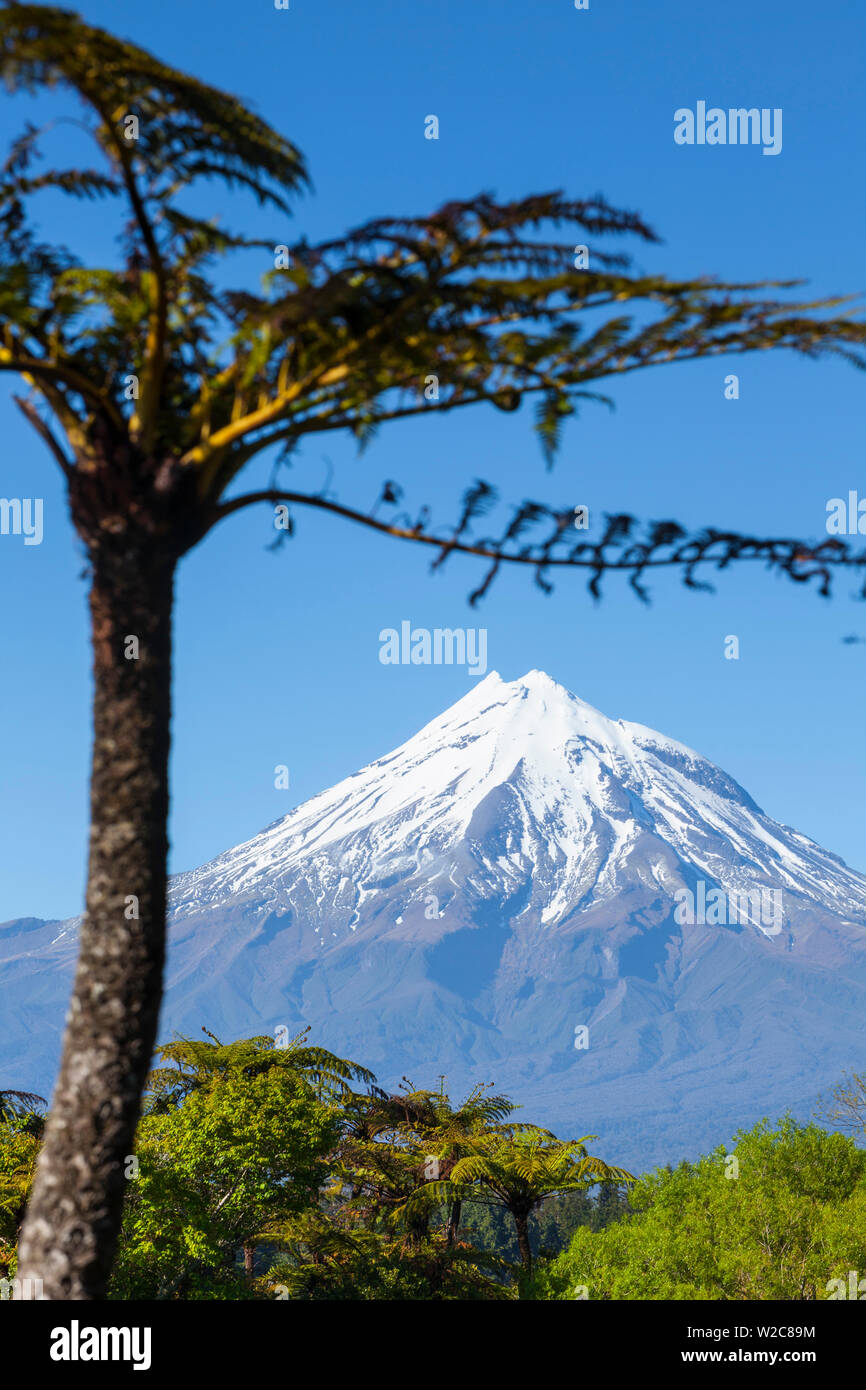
(278,654)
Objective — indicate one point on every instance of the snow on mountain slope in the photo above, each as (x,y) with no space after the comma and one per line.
(505,884)
(584,790)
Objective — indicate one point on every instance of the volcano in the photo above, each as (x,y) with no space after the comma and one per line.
(510,896)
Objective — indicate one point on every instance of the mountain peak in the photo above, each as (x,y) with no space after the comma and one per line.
(520,783)
(532,680)
(539,680)
(535,685)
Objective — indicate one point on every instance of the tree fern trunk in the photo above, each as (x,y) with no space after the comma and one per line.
(70,1232)
(454,1222)
(522,1224)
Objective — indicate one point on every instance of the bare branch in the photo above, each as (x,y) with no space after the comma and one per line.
(617,549)
(31,414)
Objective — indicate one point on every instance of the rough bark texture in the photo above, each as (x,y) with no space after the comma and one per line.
(453,1222)
(521,1222)
(70,1231)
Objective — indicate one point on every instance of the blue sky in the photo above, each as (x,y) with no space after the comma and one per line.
(277,654)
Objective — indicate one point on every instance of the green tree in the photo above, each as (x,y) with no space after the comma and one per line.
(383,1227)
(439,1135)
(216,1175)
(23,1108)
(191,1065)
(22,1122)
(153,387)
(521,1170)
(380,1164)
(779,1216)
(19,1148)
(551,1226)
(193,1062)
(845,1107)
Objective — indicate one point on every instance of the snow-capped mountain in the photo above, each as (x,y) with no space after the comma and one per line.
(580,909)
(521,788)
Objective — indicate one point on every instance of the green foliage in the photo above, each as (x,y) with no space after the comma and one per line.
(483,295)
(521,1169)
(324,1260)
(187,130)
(22,1123)
(240,1154)
(23,1109)
(551,1226)
(374,1207)
(261,1174)
(195,1063)
(791,1221)
(19,1148)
